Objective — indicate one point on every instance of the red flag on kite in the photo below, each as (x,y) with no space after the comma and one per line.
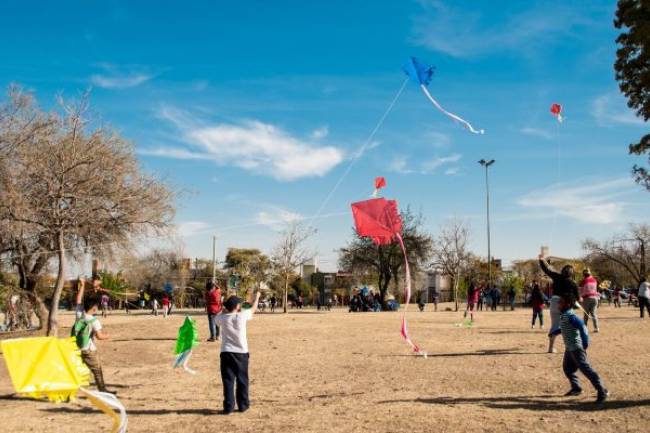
(556,110)
(380,182)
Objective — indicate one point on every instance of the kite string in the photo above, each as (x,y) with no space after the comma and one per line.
(358,153)
(558,175)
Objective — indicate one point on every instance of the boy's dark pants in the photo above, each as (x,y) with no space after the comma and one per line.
(234,368)
(577,360)
(91,359)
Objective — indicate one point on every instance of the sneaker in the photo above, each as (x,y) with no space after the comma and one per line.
(532,327)
(211,339)
(596,331)
(573,392)
(602,396)
(552,351)
(541,326)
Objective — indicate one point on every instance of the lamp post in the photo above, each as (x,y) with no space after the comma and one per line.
(487,164)
(214,259)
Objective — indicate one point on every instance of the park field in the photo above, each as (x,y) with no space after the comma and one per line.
(342,372)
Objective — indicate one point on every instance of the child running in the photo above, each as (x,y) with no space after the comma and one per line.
(85,330)
(234,353)
(576,341)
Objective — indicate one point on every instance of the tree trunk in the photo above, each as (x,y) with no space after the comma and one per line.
(286,293)
(455,284)
(52,323)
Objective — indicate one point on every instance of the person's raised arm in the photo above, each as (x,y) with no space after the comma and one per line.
(80,291)
(548,270)
(256,302)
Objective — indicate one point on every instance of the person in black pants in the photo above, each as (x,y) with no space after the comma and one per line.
(234,353)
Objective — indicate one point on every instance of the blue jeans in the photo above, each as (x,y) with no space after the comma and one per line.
(212,323)
(577,360)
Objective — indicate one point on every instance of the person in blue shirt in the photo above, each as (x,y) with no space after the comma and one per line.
(576,341)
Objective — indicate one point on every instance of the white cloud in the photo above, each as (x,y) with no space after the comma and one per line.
(191,228)
(320,133)
(115,81)
(400,164)
(537,132)
(433,164)
(588,202)
(437,139)
(276,217)
(610,109)
(251,145)
(452,171)
(466,33)
(171,152)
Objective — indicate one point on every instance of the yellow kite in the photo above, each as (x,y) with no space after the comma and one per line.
(52,368)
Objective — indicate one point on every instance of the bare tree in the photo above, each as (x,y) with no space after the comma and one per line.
(290,252)
(450,252)
(77,188)
(627,251)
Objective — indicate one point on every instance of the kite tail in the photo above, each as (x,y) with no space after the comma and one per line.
(183,359)
(467,125)
(407,297)
(108,403)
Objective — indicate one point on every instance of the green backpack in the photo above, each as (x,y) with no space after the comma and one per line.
(82,331)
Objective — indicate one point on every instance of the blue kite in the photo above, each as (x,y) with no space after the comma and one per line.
(422,74)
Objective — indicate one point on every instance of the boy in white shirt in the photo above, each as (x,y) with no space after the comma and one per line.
(234,353)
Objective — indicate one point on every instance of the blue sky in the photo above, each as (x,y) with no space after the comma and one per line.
(256,110)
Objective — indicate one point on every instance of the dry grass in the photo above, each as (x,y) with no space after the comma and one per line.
(314,372)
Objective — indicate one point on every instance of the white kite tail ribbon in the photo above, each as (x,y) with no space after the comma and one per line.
(108,403)
(407,297)
(183,359)
(468,125)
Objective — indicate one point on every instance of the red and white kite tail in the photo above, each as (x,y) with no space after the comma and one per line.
(407,297)
(465,123)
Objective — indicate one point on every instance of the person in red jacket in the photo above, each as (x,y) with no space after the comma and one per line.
(473,293)
(537,302)
(213,307)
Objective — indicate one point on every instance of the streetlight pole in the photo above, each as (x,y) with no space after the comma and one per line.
(487,164)
(214,259)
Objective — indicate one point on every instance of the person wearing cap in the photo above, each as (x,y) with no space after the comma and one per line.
(590,297)
(234,353)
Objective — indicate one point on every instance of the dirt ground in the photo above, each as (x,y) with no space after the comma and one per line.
(342,372)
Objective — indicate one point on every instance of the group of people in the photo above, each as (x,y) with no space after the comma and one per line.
(363,300)
(227,321)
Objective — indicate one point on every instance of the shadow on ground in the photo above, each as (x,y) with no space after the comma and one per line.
(534,403)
